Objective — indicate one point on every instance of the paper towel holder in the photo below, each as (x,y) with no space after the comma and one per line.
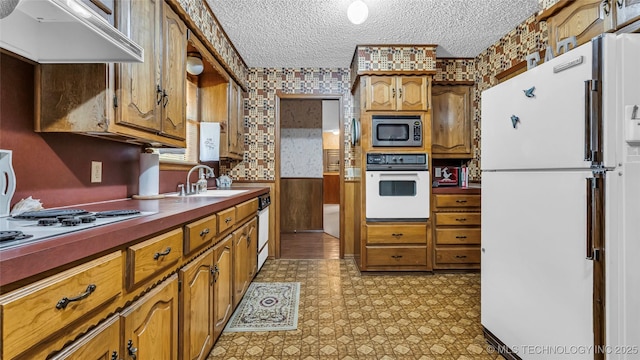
(149,172)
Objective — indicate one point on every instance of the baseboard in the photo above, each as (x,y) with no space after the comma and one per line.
(499,346)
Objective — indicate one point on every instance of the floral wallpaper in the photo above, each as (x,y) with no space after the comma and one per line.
(263,83)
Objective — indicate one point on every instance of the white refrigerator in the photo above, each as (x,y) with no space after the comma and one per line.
(560,161)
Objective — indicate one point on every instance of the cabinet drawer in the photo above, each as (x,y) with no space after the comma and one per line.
(246,209)
(35,312)
(456,200)
(397,256)
(199,233)
(150,257)
(458,218)
(458,256)
(457,236)
(397,234)
(226,219)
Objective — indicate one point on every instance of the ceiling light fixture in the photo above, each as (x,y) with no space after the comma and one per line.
(357,12)
(194,64)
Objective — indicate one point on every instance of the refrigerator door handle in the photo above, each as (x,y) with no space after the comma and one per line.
(590,218)
(587,120)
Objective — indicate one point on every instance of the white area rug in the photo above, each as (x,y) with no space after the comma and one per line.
(267,307)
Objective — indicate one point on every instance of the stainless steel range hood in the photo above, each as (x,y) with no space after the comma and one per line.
(64,31)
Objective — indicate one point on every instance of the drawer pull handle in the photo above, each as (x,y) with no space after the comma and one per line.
(397,235)
(461,237)
(62,304)
(227,220)
(461,256)
(204,232)
(396,256)
(157,255)
(114,355)
(132,350)
(461,219)
(461,201)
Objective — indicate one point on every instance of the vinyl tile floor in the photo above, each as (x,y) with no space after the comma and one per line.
(344,314)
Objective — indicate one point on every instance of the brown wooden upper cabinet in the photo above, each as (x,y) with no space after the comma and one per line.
(220,100)
(141,103)
(407,93)
(152,93)
(627,11)
(451,121)
(586,19)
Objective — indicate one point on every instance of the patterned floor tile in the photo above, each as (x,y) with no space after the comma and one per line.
(346,315)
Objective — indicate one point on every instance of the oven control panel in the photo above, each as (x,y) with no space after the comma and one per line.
(395,161)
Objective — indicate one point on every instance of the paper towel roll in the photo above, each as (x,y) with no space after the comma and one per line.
(149,180)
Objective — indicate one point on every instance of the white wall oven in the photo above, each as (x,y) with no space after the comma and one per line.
(398,187)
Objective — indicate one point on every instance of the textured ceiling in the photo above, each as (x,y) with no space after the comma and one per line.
(317,33)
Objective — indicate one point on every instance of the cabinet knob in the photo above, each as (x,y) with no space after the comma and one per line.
(204,232)
(461,219)
(397,235)
(461,201)
(396,257)
(460,237)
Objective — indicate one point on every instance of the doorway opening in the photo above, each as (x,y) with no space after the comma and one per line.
(309,173)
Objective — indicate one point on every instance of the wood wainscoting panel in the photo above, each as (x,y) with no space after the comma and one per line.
(301,204)
(331,188)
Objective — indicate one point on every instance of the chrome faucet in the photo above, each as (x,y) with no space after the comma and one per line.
(200,185)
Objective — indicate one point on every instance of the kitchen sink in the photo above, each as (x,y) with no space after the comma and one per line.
(213,193)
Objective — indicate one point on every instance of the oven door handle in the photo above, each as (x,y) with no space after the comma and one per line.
(404,173)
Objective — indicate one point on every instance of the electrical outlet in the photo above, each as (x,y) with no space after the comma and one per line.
(96,171)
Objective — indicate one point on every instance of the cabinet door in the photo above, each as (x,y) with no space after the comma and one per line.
(412,93)
(583,19)
(451,121)
(240,264)
(239,104)
(233,117)
(150,325)
(139,83)
(174,72)
(627,11)
(252,249)
(381,93)
(102,343)
(222,284)
(196,307)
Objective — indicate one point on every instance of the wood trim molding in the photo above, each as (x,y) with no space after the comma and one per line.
(517,68)
(553,10)
(468,83)
(279,96)
(499,346)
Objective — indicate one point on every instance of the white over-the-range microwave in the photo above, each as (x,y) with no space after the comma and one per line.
(396,130)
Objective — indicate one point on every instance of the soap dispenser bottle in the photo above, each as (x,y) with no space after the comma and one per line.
(201,185)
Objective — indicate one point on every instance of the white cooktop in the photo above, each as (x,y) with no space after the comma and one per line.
(31,227)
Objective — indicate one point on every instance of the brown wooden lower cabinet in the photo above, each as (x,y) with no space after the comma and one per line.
(222,284)
(456,232)
(173,306)
(196,307)
(396,247)
(101,343)
(150,325)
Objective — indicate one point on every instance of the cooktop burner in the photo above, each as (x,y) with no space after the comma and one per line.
(13,235)
(34,226)
(53,213)
(116,213)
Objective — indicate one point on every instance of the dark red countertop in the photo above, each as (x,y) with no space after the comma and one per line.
(456,190)
(28,260)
